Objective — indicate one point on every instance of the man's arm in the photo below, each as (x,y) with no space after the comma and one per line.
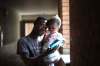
(23,51)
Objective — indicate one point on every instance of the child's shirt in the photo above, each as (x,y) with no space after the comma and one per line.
(54,40)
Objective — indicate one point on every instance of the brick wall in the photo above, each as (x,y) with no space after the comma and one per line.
(63,9)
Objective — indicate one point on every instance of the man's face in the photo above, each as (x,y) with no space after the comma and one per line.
(40,28)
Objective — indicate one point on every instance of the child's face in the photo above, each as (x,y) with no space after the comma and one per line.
(53,28)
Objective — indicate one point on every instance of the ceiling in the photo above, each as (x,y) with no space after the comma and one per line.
(32,6)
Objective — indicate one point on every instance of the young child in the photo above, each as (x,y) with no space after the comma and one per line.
(53,40)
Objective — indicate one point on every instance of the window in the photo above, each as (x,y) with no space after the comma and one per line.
(28,28)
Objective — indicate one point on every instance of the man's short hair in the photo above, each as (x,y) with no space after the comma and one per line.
(40,20)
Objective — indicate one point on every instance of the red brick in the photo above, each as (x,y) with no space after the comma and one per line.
(65,26)
(66,33)
(66,4)
(65,17)
(65,9)
(67,41)
(65,13)
(67,46)
(65,22)
(65,29)
(65,1)
(66,37)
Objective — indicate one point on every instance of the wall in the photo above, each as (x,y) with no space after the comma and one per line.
(36,7)
(11,19)
(63,9)
(10,26)
(1,25)
(84,33)
(33,17)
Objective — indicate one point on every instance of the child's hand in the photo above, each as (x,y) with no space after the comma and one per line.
(46,37)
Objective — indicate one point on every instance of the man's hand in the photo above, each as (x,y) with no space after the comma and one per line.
(49,51)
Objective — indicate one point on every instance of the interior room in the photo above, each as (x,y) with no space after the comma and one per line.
(82,28)
(16,18)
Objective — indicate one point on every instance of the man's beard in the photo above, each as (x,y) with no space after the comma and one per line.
(40,33)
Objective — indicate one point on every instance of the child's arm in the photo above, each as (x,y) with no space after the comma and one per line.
(56,44)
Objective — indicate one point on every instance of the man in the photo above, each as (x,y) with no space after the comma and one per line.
(29,47)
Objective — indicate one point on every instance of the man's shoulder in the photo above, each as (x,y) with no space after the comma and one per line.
(23,39)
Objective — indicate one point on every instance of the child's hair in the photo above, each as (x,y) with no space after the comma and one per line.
(53,20)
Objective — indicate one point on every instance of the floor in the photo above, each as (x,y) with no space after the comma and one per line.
(8,56)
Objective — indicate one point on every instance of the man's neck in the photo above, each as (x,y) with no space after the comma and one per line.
(39,38)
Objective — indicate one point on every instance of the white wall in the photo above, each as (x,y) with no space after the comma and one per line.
(34,6)
(11,29)
(13,8)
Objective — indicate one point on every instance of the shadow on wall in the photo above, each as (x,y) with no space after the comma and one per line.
(8,56)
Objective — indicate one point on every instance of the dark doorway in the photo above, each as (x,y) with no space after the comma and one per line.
(25,27)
